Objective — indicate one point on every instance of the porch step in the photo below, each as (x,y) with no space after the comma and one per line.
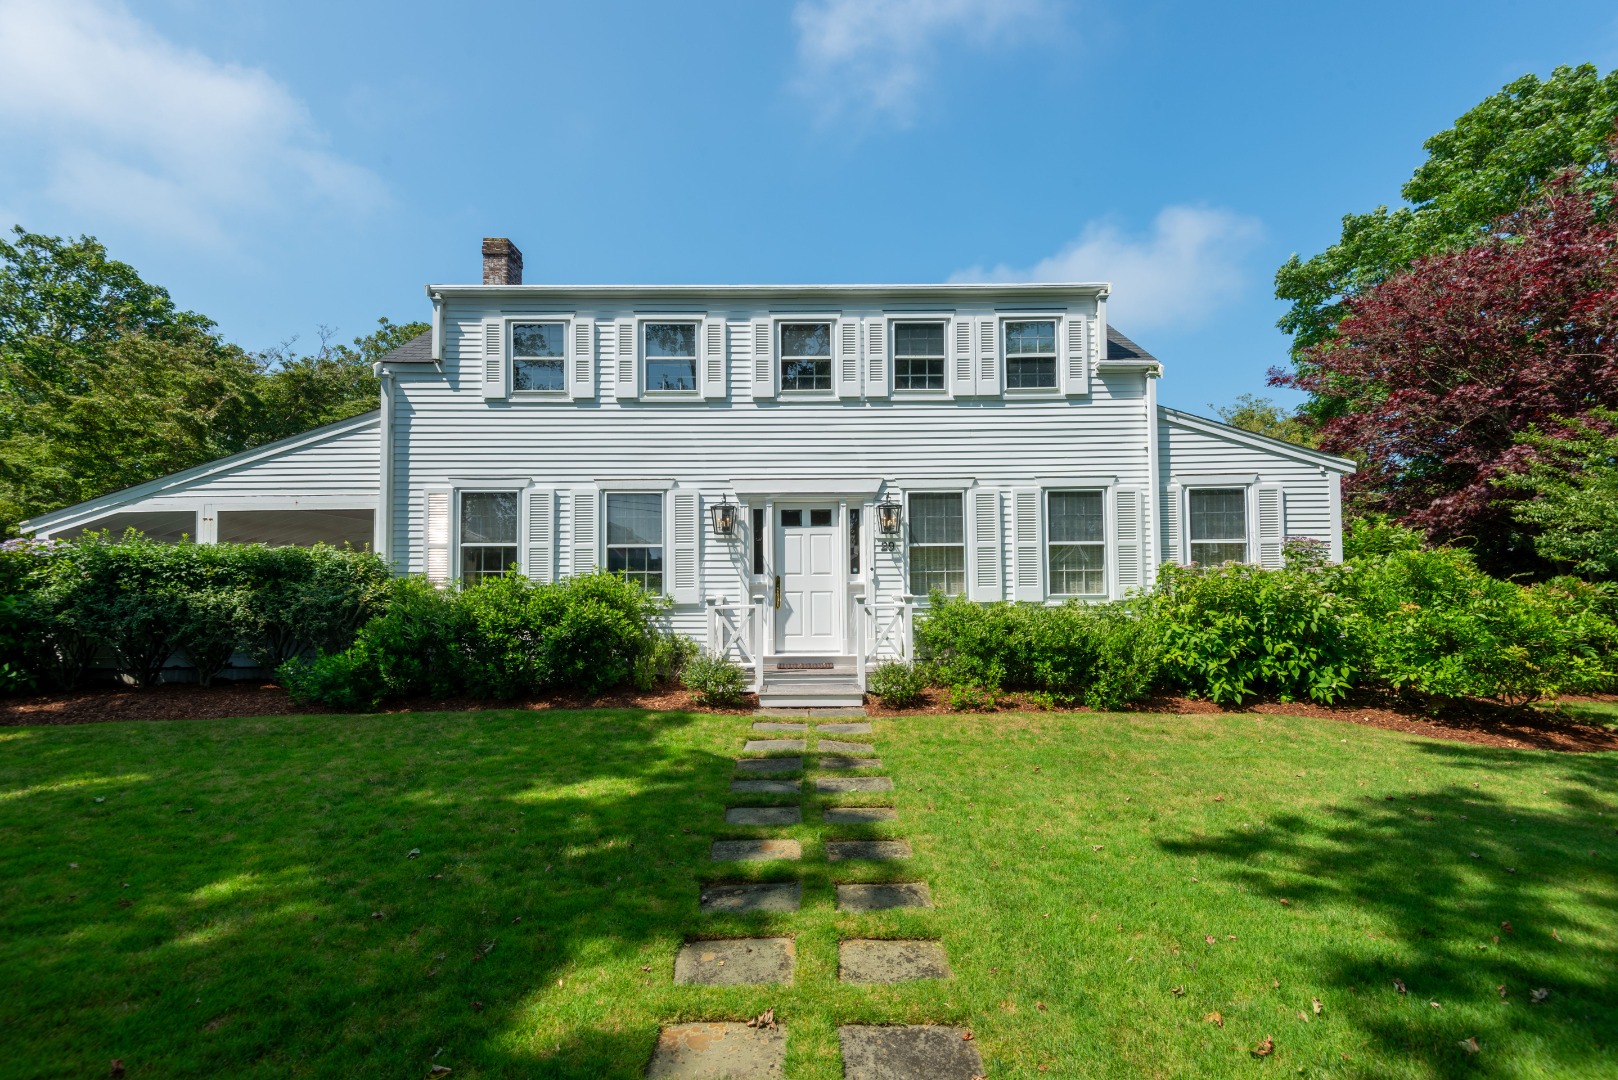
(780,692)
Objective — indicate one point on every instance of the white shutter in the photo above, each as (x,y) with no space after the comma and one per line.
(988,358)
(1075,354)
(628,375)
(581,381)
(961,382)
(1029,561)
(686,514)
(846,358)
(1172,536)
(1128,539)
(763,359)
(435,536)
(1272,522)
(541,548)
(586,530)
(494,358)
(987,551)
(876,357)
(713,360)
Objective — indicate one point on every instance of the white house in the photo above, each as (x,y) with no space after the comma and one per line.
(794,466)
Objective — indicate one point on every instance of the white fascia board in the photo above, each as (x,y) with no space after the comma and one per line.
(1262,442)
(68,516)
(975,292)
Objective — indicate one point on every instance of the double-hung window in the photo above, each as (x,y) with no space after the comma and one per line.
(635,538)
(937,548)
(1031,354)
(671,356)
(806,356)
(918,356)
(1076,543)
(488,534)
(539,356)
(1218,525)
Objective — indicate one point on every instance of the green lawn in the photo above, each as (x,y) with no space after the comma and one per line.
(220,920)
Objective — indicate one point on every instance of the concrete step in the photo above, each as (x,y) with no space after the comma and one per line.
(798,693)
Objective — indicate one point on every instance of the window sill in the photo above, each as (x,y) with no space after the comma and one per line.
(541,395)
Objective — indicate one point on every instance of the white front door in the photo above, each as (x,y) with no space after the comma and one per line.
(808,617)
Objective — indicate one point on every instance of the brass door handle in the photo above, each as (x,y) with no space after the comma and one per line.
(778,591)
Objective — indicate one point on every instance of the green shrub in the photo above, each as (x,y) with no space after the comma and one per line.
(306,600)
(347,680)
(1128,647)
(969,697)
(897,685)
(663,661)
(212,627)
(716,680)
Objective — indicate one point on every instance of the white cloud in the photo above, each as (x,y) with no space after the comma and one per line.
(1191,263)
(124,125)
(876,55)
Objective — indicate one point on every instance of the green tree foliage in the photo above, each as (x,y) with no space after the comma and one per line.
(335,382)
(1571,478)
(1262,416)
(1498,155)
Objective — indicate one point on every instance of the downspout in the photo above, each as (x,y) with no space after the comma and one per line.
(1154,449)
(382,542)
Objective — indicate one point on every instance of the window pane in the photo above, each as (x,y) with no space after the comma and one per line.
(806,339)
(1075,516)
(1218,514)
(918,339)
(671,339)
(758,539)
(791,519)
(481,563)
(1036,336)
(938,568)
(916,374)
(1030,374)
(164,526)
(806,375)
(820,518)
(1212,554)
(1078,569)
(634,519)
(936,519)
(538,339)
(297,528)
(670,374)
(536,374)
(489,517)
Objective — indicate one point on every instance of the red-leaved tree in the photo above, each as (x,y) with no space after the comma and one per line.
(1442,367)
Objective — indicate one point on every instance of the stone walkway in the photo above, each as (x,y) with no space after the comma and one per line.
(735,1050)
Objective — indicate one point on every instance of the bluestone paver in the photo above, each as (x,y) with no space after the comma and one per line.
(763,896)
(764,815)
(883,896)
(774,746)
(837,785)
(834,746)
(868,960)
(766,787)
(858,815)
(907,1052)
(725,1051)
(778,725)
(769,764)
(755,850)
(855,728)
(735,962)
(843,761)
(881,850)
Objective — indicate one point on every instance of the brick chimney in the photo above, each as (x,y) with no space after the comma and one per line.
(502,262)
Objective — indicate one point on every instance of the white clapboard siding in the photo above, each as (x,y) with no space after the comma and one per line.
(1129,539)
(962,359)
(989,367)
(988,550)
(878,382)
(586,529)
(540,563)
(715,365)
(581,383)
(1173,544)
(764,380)
(1075,354)
(846,358)
(436,531)
(1029,555)
(1272,524)
(628,361)
(685,521)
(494,358)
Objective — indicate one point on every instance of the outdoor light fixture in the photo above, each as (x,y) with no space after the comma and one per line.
(888,514)
(724,518)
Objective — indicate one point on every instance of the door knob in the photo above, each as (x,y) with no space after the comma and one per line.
(778,590)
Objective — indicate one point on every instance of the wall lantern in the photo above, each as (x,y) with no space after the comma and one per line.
(724,518)
(888,516)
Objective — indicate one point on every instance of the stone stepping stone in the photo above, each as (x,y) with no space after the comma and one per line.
(882,850)
(718,1052)
(764,815)
(872,961)
(766,787)
(858,728)
(832,746)
(843,761)
(858,815)
(907,1052)
(754,850)
(769,764)
(763,725)
(772,896)
(883,897)
(774,746)
(836,785)
(735,962)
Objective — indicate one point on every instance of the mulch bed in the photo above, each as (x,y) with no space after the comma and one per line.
(1477,722)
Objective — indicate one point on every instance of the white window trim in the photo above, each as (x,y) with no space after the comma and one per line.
(967,565)
(1004,358)
(1108,548)
(694,318)
(1249,512)
(905,394)
(455,493)
(663,538)
(563,394)
(780,358)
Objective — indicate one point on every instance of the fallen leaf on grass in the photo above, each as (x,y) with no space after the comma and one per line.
(1555,935)
(1399,985)
(439,1070)
(1219,798)
(1285,902)
(477,1006)
(1506,926)
(1319,1008)
(1210,939)
(1435,1004)
(1536,996)
(967,1036)
(72,866)
(1041,1006)
(414,853)
(1095,847)
(1177,991)
(1502,991)
(1470,1045)
(1265,1048)
(376,914)
(1215,1019)
(101,798)
(1474,855)
(117,1068)
(765,1019)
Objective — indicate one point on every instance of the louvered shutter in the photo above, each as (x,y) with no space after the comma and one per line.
(1172,536)
(846,358)
(1272,523)
(435,536)
(988,358)
(540,546)
(877,383)
(1029,557)
(685,511)
(494,358)
(987,551)
(581,382)
(628,365)
(714,361)
(586,530)
(1129,538)
(961,381)
(763,359)
(1075,354)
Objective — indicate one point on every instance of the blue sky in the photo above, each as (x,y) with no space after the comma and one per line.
(290,165)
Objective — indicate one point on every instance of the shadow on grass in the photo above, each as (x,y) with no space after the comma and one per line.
(274,921)
(1438,874)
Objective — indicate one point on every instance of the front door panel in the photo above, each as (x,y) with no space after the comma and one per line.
(808,620)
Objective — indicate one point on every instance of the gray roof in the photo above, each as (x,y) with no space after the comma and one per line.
(418,350)
(1121,348)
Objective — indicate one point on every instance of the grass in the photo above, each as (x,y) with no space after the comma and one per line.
(221,918)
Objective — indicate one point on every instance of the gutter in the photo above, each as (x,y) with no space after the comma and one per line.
(382,539)
(1154,472)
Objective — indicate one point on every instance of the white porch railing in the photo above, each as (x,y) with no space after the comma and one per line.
(735,630)
(884,633)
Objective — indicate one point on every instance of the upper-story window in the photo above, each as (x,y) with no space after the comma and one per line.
(488,534)
(635,538)
(806,356)
(671,356)
(1218,525)
(918,356)
(538,356)
(937,548)
(1076,543)
(1031,354)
